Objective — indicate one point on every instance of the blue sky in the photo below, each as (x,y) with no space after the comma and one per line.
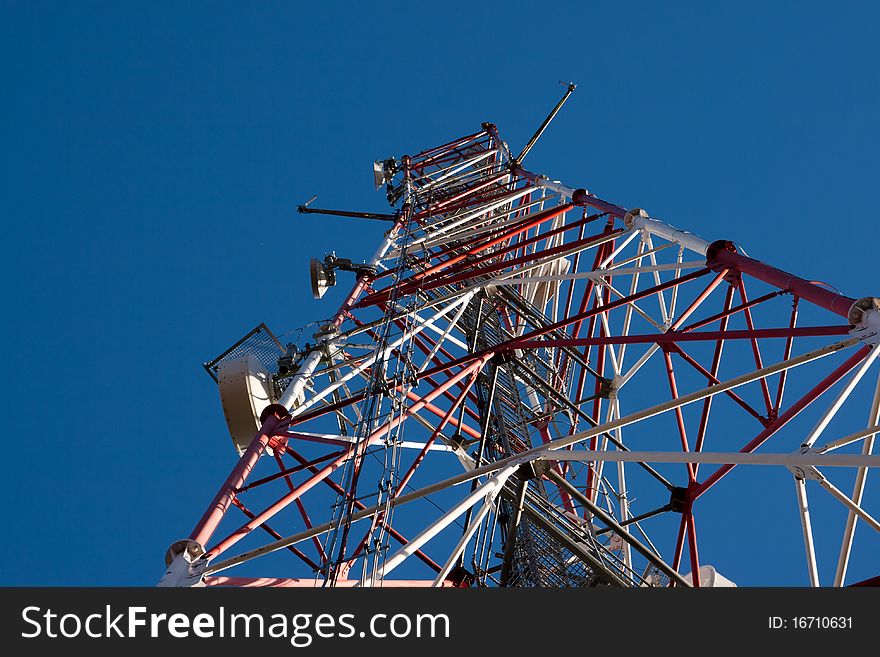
(153,158)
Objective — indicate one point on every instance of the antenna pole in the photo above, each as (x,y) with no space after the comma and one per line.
(304,209)
(525,151)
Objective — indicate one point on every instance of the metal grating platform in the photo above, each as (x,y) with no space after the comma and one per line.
(260,343)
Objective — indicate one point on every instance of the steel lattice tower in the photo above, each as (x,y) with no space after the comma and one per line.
(520,389)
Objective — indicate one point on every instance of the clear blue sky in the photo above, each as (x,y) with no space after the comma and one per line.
(153,157)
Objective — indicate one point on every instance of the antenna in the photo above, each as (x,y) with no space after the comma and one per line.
(305,209)
(446,368)
(323,274)
(525,151)
(321,278)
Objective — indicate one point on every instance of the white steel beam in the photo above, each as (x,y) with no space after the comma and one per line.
(692,397)
(841,397)
(803,507)
(620,247)
(338,439)
(632,305)
(455,168)
(466,537)
(603,317)
(553,447)
(458,221)
(499,223)
(597,274)
(627,318)
(297,383)
(722,458)
(429,324)
(850,439)
(661,299)
(849,504)
(373,358)
(676,274)
(491,487)
(452,324)
(858,490)
(670,233)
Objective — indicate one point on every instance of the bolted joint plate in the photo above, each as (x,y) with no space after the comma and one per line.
(806,471)
(864,317)
(533,469)
(629,220)
(185,565)
(326,333)
(608,387)
(679,500)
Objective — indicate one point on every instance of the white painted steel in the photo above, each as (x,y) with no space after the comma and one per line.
(544,450)
(809,548)
(620,247)
(375,357)
(432,326)
(310,363)
(465,539)
(722,458)
(492,485)
(849,439)
(655,347)
(452,324)
(338,439)
(858,490)
(245,390)
(661,298)
(671,233)
(841,397)
(472,215)
(849,504)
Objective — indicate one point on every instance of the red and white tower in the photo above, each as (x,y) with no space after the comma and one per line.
(530,386)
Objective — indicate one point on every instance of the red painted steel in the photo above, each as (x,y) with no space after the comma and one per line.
(448,394)
(724,254)
(782,420)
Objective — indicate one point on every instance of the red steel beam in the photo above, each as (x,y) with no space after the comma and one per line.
(723,254)
(465,271)
(443,422)
(396,535)
(714,380)
(713,371)
(698,490)
(447,146)
(302,510)
(288,471)
(266,528)
(362,544)
(327,470)
(679,543)
(675,336)
(728,311)
(571,320)
(291,582)
(786,353)
(486,191)
(580,196)
(873,581)
(679,416)
(206,526)
(756,351)
(521,228)
(692,545)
